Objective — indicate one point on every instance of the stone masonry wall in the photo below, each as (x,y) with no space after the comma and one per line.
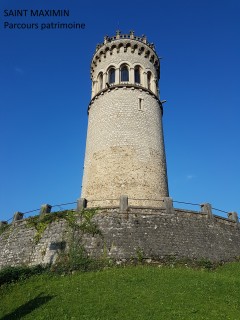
(155,233)
(116,57)
(125,145)
(125,149)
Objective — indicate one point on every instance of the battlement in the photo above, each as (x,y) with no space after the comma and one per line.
(131,36)
(125,43)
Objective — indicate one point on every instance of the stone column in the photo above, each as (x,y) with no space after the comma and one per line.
(45,208)
(17,216)
(123,204)
(81,204)
(207,209)
(93,92)
(104,80)
(117,76)
(233,216)
(168,204)
(144,79)
(154,87)
(131,75)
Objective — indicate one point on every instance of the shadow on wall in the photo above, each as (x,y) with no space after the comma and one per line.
(28,307)
(57,248)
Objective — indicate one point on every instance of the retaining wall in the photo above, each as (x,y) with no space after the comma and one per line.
(156,233)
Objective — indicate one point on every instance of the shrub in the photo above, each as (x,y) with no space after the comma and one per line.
(12,274)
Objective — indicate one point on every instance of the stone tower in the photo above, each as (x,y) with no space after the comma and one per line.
(125,152)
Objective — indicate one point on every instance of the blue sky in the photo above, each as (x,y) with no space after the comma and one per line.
(45,90)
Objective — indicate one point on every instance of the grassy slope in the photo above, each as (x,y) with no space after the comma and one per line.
(127,293)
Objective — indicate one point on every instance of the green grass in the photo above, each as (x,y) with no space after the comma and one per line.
(131,293)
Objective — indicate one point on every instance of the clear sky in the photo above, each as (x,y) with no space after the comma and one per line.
(45,90)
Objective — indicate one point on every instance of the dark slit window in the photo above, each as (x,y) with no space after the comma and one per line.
(149,77)
(100,79)
(137,75)
(124,74)
(111,75)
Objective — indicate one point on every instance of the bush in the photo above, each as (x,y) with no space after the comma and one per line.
(12,274)
(77,259)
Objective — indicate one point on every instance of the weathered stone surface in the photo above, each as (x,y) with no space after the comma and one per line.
(81,204)
(233,216)
(125,151)
(45,208)
(123,204)
(17,216)
(3,223)
(156,233)
(207,209)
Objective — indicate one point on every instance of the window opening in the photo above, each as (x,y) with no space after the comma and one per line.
(111,76)
(100,80)
(149,76)
(137,75)
(124,74)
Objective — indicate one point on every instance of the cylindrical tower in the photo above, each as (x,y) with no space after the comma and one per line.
(125,152)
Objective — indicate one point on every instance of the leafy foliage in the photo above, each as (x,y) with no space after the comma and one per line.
(140,255)
(41,223)
(4,227)
(13,274)
(76,259)
(87,225)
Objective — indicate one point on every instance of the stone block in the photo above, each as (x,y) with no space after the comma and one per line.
(123,203)
(233,216)
(168,204)
(45,208)
(207,209)
(17,216)
(81,204)
(3,223)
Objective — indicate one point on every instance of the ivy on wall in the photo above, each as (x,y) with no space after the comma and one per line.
(4,227)
(77,221)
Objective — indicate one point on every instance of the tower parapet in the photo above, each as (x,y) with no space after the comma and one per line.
(115,49)
(119,36)
(125,147)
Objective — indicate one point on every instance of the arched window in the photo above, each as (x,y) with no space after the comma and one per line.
(124,74)
(149,78)
(137,78)
(100,81)
(111,75)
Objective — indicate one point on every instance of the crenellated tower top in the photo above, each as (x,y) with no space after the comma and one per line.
(129,54)
(131,36)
